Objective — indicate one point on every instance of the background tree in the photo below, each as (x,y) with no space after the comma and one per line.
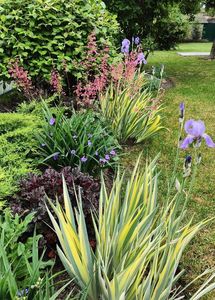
(210,8)
(163,21)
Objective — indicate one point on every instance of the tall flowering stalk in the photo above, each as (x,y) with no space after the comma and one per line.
(195,133)
(124,73)
(96,77)
(22,79)
(56,82)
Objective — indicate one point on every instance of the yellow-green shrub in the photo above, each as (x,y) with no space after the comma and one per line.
(17,143)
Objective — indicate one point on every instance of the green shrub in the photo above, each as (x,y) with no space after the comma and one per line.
(44,34)
(17,145)
(84,140)
(197,31)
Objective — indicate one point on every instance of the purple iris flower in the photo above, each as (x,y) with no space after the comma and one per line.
(89,143)
(141,58)
(56,155)
(52,121)
(107,157)
(195,132)
(182,109)
(83,159)
(137,40)
(125,46)
(73,152)
(113,152)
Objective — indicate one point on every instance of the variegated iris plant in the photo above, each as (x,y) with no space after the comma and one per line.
(139,242)
(132,115)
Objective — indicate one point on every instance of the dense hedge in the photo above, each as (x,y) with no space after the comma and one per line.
(43,34)
(17,144)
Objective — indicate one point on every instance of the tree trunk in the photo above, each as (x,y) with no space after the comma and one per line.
(212,55)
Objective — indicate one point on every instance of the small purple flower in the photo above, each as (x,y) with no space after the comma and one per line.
(56,155)
(141,59)
(195,132)
(73,152)
(182,109)
(52,121)
(23,292)
(83,159)
(125,46)
(97,153)
(137,40)
(113,152)
(107,157)
(102,161)
(89,143)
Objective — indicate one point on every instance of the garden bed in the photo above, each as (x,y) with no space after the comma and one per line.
(83,188)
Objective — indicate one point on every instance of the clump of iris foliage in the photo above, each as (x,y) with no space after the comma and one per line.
(139,241)
(84,140)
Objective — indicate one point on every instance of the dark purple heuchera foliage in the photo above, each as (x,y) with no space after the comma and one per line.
(33,191)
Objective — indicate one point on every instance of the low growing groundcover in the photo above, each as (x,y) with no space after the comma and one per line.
(17,147)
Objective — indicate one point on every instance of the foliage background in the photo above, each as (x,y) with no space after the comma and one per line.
(51,33)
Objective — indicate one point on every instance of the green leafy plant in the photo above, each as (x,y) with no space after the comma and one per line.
(139,243)
(133,116)
(23,274)
(17,146)
(83,140)
(51,34)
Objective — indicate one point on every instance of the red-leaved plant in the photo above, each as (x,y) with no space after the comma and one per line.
(100,72)
(97,74)
(56,82)
(22,80)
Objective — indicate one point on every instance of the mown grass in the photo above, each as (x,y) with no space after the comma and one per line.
(194,83)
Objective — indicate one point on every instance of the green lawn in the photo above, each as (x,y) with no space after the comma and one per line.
(194,83)
(196,47)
